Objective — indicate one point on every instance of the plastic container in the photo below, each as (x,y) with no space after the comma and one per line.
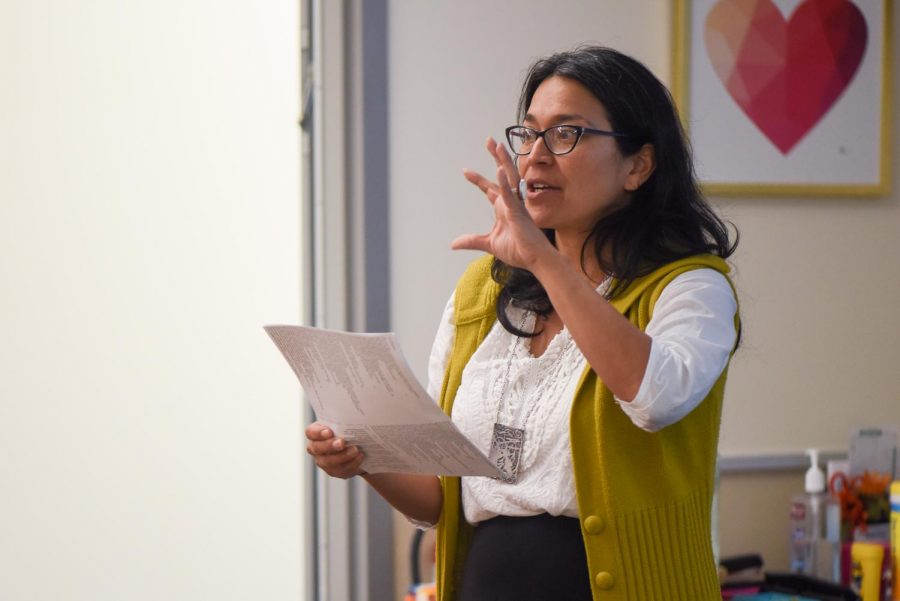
(806,520)
(867,560)
(895,540)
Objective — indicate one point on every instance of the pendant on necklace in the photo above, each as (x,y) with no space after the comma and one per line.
(506,451)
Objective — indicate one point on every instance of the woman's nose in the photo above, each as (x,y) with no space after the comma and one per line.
(539,152)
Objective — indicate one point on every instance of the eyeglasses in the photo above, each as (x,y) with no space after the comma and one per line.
(559,139)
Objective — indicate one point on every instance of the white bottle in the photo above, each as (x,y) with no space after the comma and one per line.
(806,519)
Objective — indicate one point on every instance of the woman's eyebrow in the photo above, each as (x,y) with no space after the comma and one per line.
(563,118)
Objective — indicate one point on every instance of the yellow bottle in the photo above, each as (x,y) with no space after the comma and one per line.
(867,559)
(895,539)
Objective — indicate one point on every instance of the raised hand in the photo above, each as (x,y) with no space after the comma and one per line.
(514,238)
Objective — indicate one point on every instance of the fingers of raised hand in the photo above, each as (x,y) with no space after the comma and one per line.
(484,184)
(507,191)
(504,160)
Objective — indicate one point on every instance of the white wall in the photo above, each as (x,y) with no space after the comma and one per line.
(149,226)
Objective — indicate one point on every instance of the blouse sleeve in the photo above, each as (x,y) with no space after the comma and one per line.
(692,335)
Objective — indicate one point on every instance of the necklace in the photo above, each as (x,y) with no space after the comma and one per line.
(508,441)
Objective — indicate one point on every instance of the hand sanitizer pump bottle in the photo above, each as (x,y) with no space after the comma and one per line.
(806,519)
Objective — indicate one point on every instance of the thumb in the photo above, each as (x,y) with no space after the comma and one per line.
(471,242)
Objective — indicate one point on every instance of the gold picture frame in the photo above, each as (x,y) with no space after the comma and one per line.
(836,156)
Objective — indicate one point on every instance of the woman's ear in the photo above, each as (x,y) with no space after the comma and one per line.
(643,162)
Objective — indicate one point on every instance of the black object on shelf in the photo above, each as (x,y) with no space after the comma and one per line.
(414,556)
(807,586)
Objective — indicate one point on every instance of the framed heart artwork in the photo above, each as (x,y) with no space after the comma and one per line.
(786,97)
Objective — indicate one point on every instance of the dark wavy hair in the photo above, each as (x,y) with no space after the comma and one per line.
(666,218)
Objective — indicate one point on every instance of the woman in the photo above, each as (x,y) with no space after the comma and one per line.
(587,353)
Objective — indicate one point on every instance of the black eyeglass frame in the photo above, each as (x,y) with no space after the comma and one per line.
(579,130)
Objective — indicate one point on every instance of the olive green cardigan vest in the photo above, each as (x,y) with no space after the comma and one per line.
(644,498)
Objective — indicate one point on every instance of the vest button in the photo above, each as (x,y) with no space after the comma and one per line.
(594,524)
(604,580)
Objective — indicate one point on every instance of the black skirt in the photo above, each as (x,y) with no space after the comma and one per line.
(539,558)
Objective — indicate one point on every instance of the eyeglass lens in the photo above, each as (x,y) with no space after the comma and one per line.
(559,140)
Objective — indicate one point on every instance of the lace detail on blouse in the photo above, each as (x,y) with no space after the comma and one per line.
(538,393)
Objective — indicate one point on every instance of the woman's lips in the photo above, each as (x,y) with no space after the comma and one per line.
(538,189)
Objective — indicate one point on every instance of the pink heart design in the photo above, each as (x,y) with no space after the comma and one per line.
(785,75)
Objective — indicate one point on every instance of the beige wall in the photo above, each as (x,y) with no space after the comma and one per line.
(754,514)
(818,278)
(149,227)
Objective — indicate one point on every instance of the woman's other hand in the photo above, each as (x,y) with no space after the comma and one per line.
(333,455)
(514,239)
(416,495)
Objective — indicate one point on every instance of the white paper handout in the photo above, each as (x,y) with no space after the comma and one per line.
(362,387)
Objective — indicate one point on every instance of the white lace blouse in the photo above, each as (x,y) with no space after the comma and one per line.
(692,332)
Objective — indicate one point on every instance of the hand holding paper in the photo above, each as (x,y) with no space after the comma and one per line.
(361,386)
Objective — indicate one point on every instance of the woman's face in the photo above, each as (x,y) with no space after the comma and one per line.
(570,193)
